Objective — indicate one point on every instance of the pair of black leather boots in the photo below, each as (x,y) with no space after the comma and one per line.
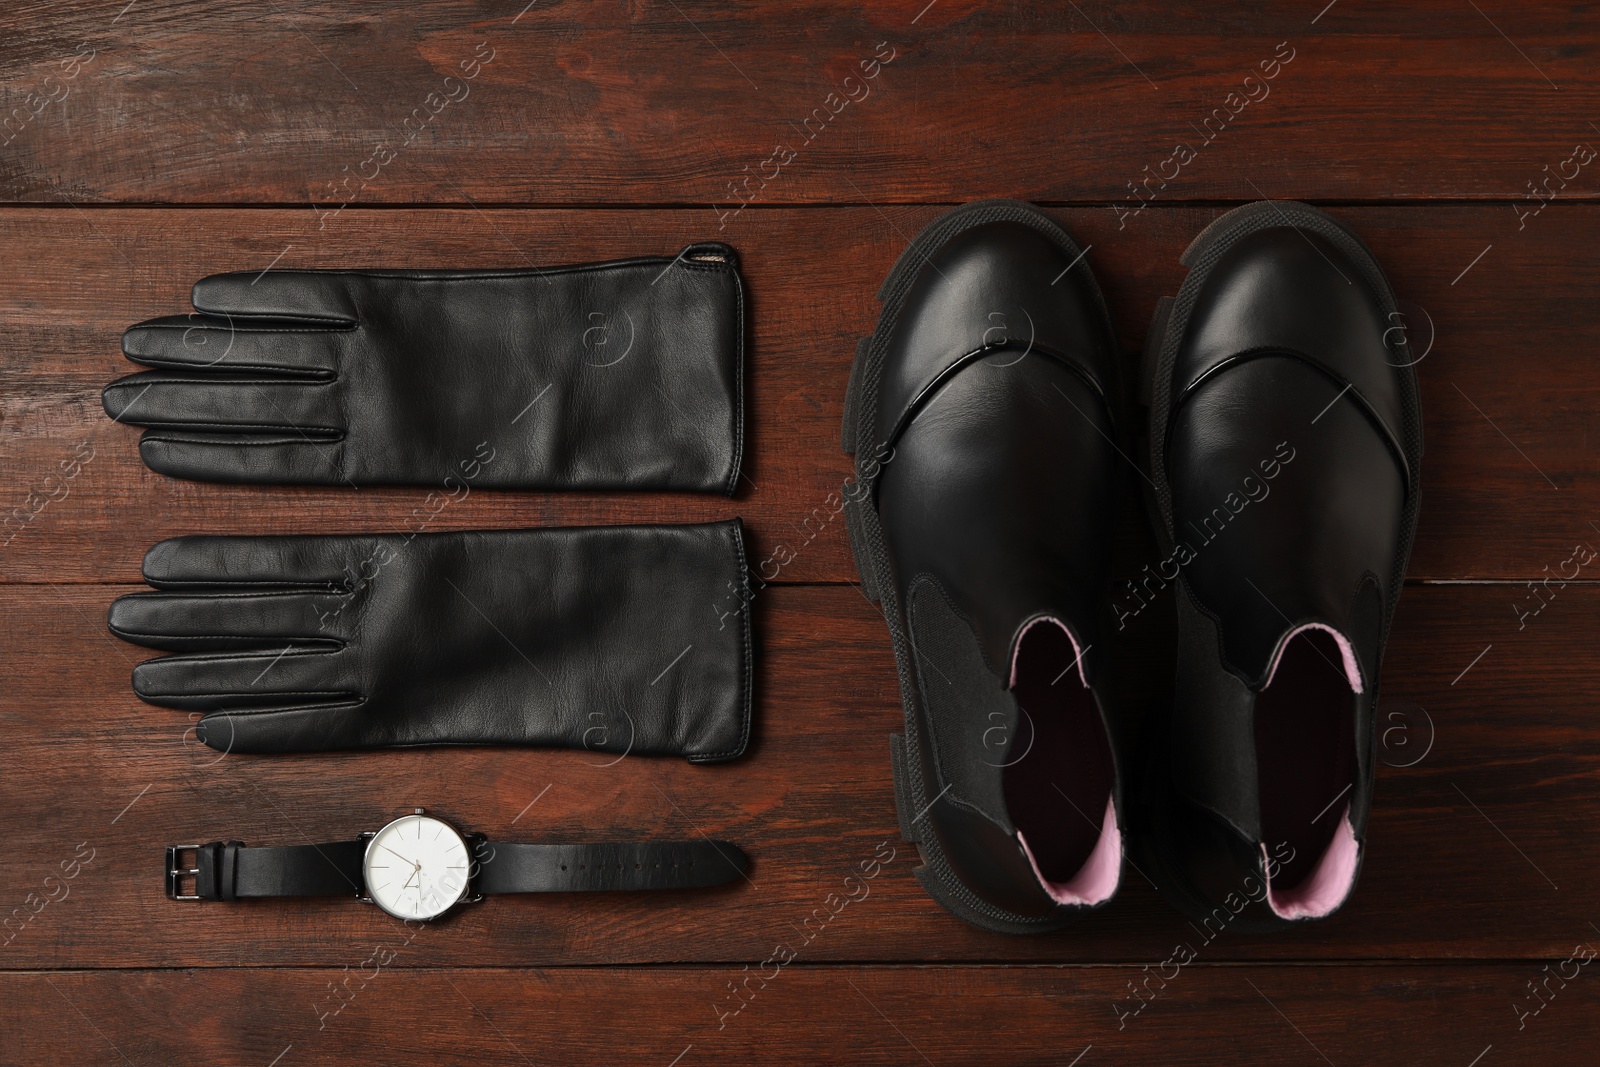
(989,418)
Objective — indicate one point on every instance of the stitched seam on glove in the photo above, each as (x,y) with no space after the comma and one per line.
(179,424)
(150,598)
(330,586)
(637,263)
(342,401)
(326,644)
(212,379)
(337,437)
(249,657)
(738,384)
(271,693)
(344,326)
(736,536)
(292,375)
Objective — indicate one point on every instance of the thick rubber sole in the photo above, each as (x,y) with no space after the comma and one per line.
(1167,327)
(912,799)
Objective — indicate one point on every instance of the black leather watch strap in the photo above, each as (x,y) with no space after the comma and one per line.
(229,870)
(504,868)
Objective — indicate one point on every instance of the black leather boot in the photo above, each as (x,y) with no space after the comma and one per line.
(1286,443)
(981,416)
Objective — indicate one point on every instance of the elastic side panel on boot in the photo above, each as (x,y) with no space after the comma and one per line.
(972,717)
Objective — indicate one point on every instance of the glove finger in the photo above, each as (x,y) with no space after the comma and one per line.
(209,403)
(309,564)
(261,459)
(228,343)
(214,622)
(247,679)
(314,728)
(320,296)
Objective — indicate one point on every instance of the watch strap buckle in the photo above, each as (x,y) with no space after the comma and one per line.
(214,870)
(176,872)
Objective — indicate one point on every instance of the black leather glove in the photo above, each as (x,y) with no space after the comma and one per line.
(611,638)
(622,375)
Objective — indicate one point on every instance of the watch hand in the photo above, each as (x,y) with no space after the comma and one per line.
(397,855)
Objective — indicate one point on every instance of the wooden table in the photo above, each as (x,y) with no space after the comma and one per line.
(165,141)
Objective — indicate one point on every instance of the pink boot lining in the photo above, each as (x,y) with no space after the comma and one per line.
(1077,651)
(1351,670)
(1327,886)
(1098,878)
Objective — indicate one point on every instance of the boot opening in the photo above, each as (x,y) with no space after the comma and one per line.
(1059,774)
(1306,772)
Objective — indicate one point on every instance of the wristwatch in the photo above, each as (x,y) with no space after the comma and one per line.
(419,867)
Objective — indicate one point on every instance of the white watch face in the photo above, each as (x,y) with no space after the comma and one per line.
(416,867)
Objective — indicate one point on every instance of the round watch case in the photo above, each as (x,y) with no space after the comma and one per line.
(417,867)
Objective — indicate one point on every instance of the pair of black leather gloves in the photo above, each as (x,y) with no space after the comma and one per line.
(619,375)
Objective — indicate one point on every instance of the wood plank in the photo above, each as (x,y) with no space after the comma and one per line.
(584,103)
(803,1014)
(1510,390)
(1481,843)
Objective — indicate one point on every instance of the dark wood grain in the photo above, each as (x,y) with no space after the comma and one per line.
(1481,848)
(1510,477)
(679,102)
(837,1015)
